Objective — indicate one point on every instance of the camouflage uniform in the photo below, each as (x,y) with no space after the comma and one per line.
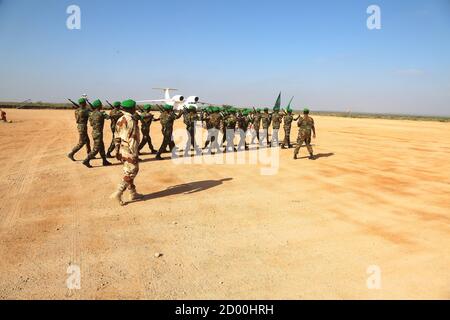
(189,121)
(97,121)
(167,118)
(215,120)
(3,114)
(114,115)
(256,125)
(276,123)
(223,127)
(230,126)
(81,117)
(242,123)
(146,120)
(265,120)
(287,123)
(306,125)
(208,126)
(126,143)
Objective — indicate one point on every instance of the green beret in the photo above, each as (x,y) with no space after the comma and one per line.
(192,108)
(306,110)
(128,104)
(147,107)
(258,110)
(276,109)
(81,101)
(168,107)
(216,109)
(266,109)
(116,104)
(97,103)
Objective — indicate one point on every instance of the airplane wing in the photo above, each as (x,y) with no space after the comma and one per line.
(145,101)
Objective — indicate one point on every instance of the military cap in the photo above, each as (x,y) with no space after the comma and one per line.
(306,110)
(97,103)
(147,107)
(116,104)
(81,100)
(168,107)
(128,104)
(266,109)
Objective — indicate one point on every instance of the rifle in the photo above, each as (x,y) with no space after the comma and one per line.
(90,104)
(74,103)
(109,104)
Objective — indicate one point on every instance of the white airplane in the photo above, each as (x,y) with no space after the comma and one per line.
(177,101)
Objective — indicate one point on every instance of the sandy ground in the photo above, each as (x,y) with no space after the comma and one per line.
(378,195)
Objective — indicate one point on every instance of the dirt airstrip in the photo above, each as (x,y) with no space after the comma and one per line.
(378,195)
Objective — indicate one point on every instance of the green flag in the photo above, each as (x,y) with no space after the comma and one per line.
(288,108)
(277,103)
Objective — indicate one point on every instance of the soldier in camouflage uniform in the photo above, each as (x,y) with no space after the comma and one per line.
(242,124)
(146,119)
(114,115)
(167,118)
(306,125)
(225,114)
(190,117)
(205,117)
(265,121)
(276,117)
(230,126)
(97,121)
(3,115)
(126,146)
(287,124)
(215,120)
(256,124)
(81,117)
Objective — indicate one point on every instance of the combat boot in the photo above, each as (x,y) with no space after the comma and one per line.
(311,157)
(158,156)
(70,156)
(117,195)
(295,156)
(134,195)
(106,162)
(108,155)
(86,163)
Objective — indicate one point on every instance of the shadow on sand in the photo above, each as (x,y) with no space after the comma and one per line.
(185,188)
(320,155)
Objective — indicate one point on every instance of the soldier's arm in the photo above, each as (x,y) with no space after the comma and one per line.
(77,117)
(313,128)
(178,116)
(295,119)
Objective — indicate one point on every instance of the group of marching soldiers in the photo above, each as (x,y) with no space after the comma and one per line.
(227,121)
(127,142)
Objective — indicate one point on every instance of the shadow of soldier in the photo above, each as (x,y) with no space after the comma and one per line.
(185,188)
(319,155)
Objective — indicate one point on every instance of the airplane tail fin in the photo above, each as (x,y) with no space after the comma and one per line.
(166,92)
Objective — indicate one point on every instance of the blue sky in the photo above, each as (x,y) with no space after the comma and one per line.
(237,52)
